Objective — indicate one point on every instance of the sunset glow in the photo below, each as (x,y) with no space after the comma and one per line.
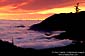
(36,9)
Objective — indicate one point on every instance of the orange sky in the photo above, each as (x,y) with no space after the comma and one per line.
(36,9)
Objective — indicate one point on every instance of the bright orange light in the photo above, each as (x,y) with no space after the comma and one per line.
(7,12)
(5,16)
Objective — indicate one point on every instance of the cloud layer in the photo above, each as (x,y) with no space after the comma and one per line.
(38,40)
(36,4)
(44,43)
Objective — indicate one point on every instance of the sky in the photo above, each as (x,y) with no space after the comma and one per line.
(36,9)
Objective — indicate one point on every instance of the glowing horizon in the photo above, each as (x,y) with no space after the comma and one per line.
(36,9)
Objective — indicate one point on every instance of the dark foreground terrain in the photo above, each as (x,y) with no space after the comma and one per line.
(72,23)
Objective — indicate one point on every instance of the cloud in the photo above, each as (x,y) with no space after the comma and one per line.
(37,40)
(36,4)
(29,39)
(10,2)
(45,4)
(44,43)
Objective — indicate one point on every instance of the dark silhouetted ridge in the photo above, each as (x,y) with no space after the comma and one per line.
(72,23)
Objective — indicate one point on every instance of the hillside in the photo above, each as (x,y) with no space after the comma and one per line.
(72,23)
